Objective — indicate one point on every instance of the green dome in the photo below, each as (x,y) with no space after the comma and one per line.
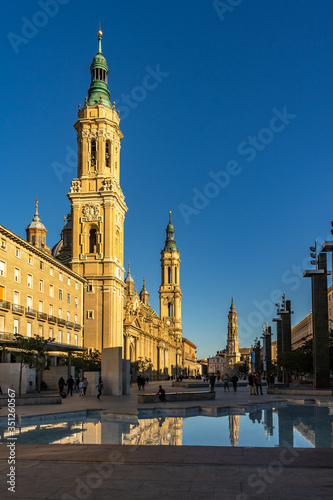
(170,244)
(98,92)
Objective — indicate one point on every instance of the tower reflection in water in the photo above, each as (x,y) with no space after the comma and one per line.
(297,425)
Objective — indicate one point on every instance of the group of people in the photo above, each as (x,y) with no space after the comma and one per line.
(255,384)
(79,385)
(142,381)
(226,380)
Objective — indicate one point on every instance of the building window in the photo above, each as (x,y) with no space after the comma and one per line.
(75,338)
(76,302)
(29,329)
(89,288)
(68,298)
(68,315)
(60,294)
(51,310)
(29,302)
(92,241)
(51,333)
(17,252)
(2,293)
(107,153)
(75,319)
(30,259)
(40,330)
(93,154)
(59,336)
(90,314)
(170,310)
(51,291)
(69,282)
(16,275)
(60,312)
(40,306)
(2,268)
(2,324)
(176,278)
(60,276)
(41,265)
(33,240)
(169,274)
(68,338)
(16,326)
(16,298)
(51,271)
(3,243)
(41,285)
(29,282)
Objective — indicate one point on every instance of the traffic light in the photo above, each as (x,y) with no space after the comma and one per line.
(313,254)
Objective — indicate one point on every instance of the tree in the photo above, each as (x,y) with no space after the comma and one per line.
(90,361)
(32,353)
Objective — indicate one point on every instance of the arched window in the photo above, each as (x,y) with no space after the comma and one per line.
(176,275)
(92,240)
(169,274)
(170,309)
(93,154)
(107,153)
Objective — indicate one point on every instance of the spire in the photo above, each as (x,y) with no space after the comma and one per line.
(232,303)
(98,92)
(144,295)
(36,231)
(170,244)
(129,278)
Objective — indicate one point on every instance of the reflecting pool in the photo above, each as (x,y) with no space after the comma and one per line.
(292,425)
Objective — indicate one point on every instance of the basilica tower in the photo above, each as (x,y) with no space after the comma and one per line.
(97,211)
(233,354)
(170,292)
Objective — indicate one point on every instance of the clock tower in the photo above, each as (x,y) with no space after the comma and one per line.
(98,210)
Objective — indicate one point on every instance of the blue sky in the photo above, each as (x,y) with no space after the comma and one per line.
(243,99)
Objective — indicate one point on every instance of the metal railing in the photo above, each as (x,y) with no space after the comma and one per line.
(18,309)
(4,305)
(42,316)
(30,312)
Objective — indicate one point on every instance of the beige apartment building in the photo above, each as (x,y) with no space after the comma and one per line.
(38,295)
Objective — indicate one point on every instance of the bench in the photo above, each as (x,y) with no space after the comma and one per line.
(177,396)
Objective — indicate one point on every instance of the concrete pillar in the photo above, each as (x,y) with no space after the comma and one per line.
(112,371)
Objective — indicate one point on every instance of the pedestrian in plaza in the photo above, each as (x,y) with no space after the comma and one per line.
(61,384)
(212,379)
(226,382)
(99,388)
(258,383)
(161,393)
(77,382)
(85,384)
(81,387)
(70,384)
(252,384)
(271,381)
(234,380)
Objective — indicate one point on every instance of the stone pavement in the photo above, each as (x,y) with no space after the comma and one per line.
(91,472)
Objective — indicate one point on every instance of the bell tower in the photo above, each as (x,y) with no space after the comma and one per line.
(233,354)
(170,291)
(98,210)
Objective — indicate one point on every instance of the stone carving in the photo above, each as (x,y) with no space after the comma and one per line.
(107,185)
(76,186)
(91,212)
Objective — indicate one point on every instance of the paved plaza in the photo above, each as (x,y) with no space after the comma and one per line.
(164,472)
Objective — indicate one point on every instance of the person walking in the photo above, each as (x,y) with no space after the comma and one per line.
(271,381)
(234,380)
(258,383)
(99,387)
(226,382)
(61,385)
(85,384)
(70,384)
(251,384)
(212,382)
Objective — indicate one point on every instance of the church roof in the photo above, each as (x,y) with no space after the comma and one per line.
(36,222)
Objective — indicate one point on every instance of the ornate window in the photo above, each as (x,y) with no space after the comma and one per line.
(170,309)
(93,154)
(107,154)
(92,241)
